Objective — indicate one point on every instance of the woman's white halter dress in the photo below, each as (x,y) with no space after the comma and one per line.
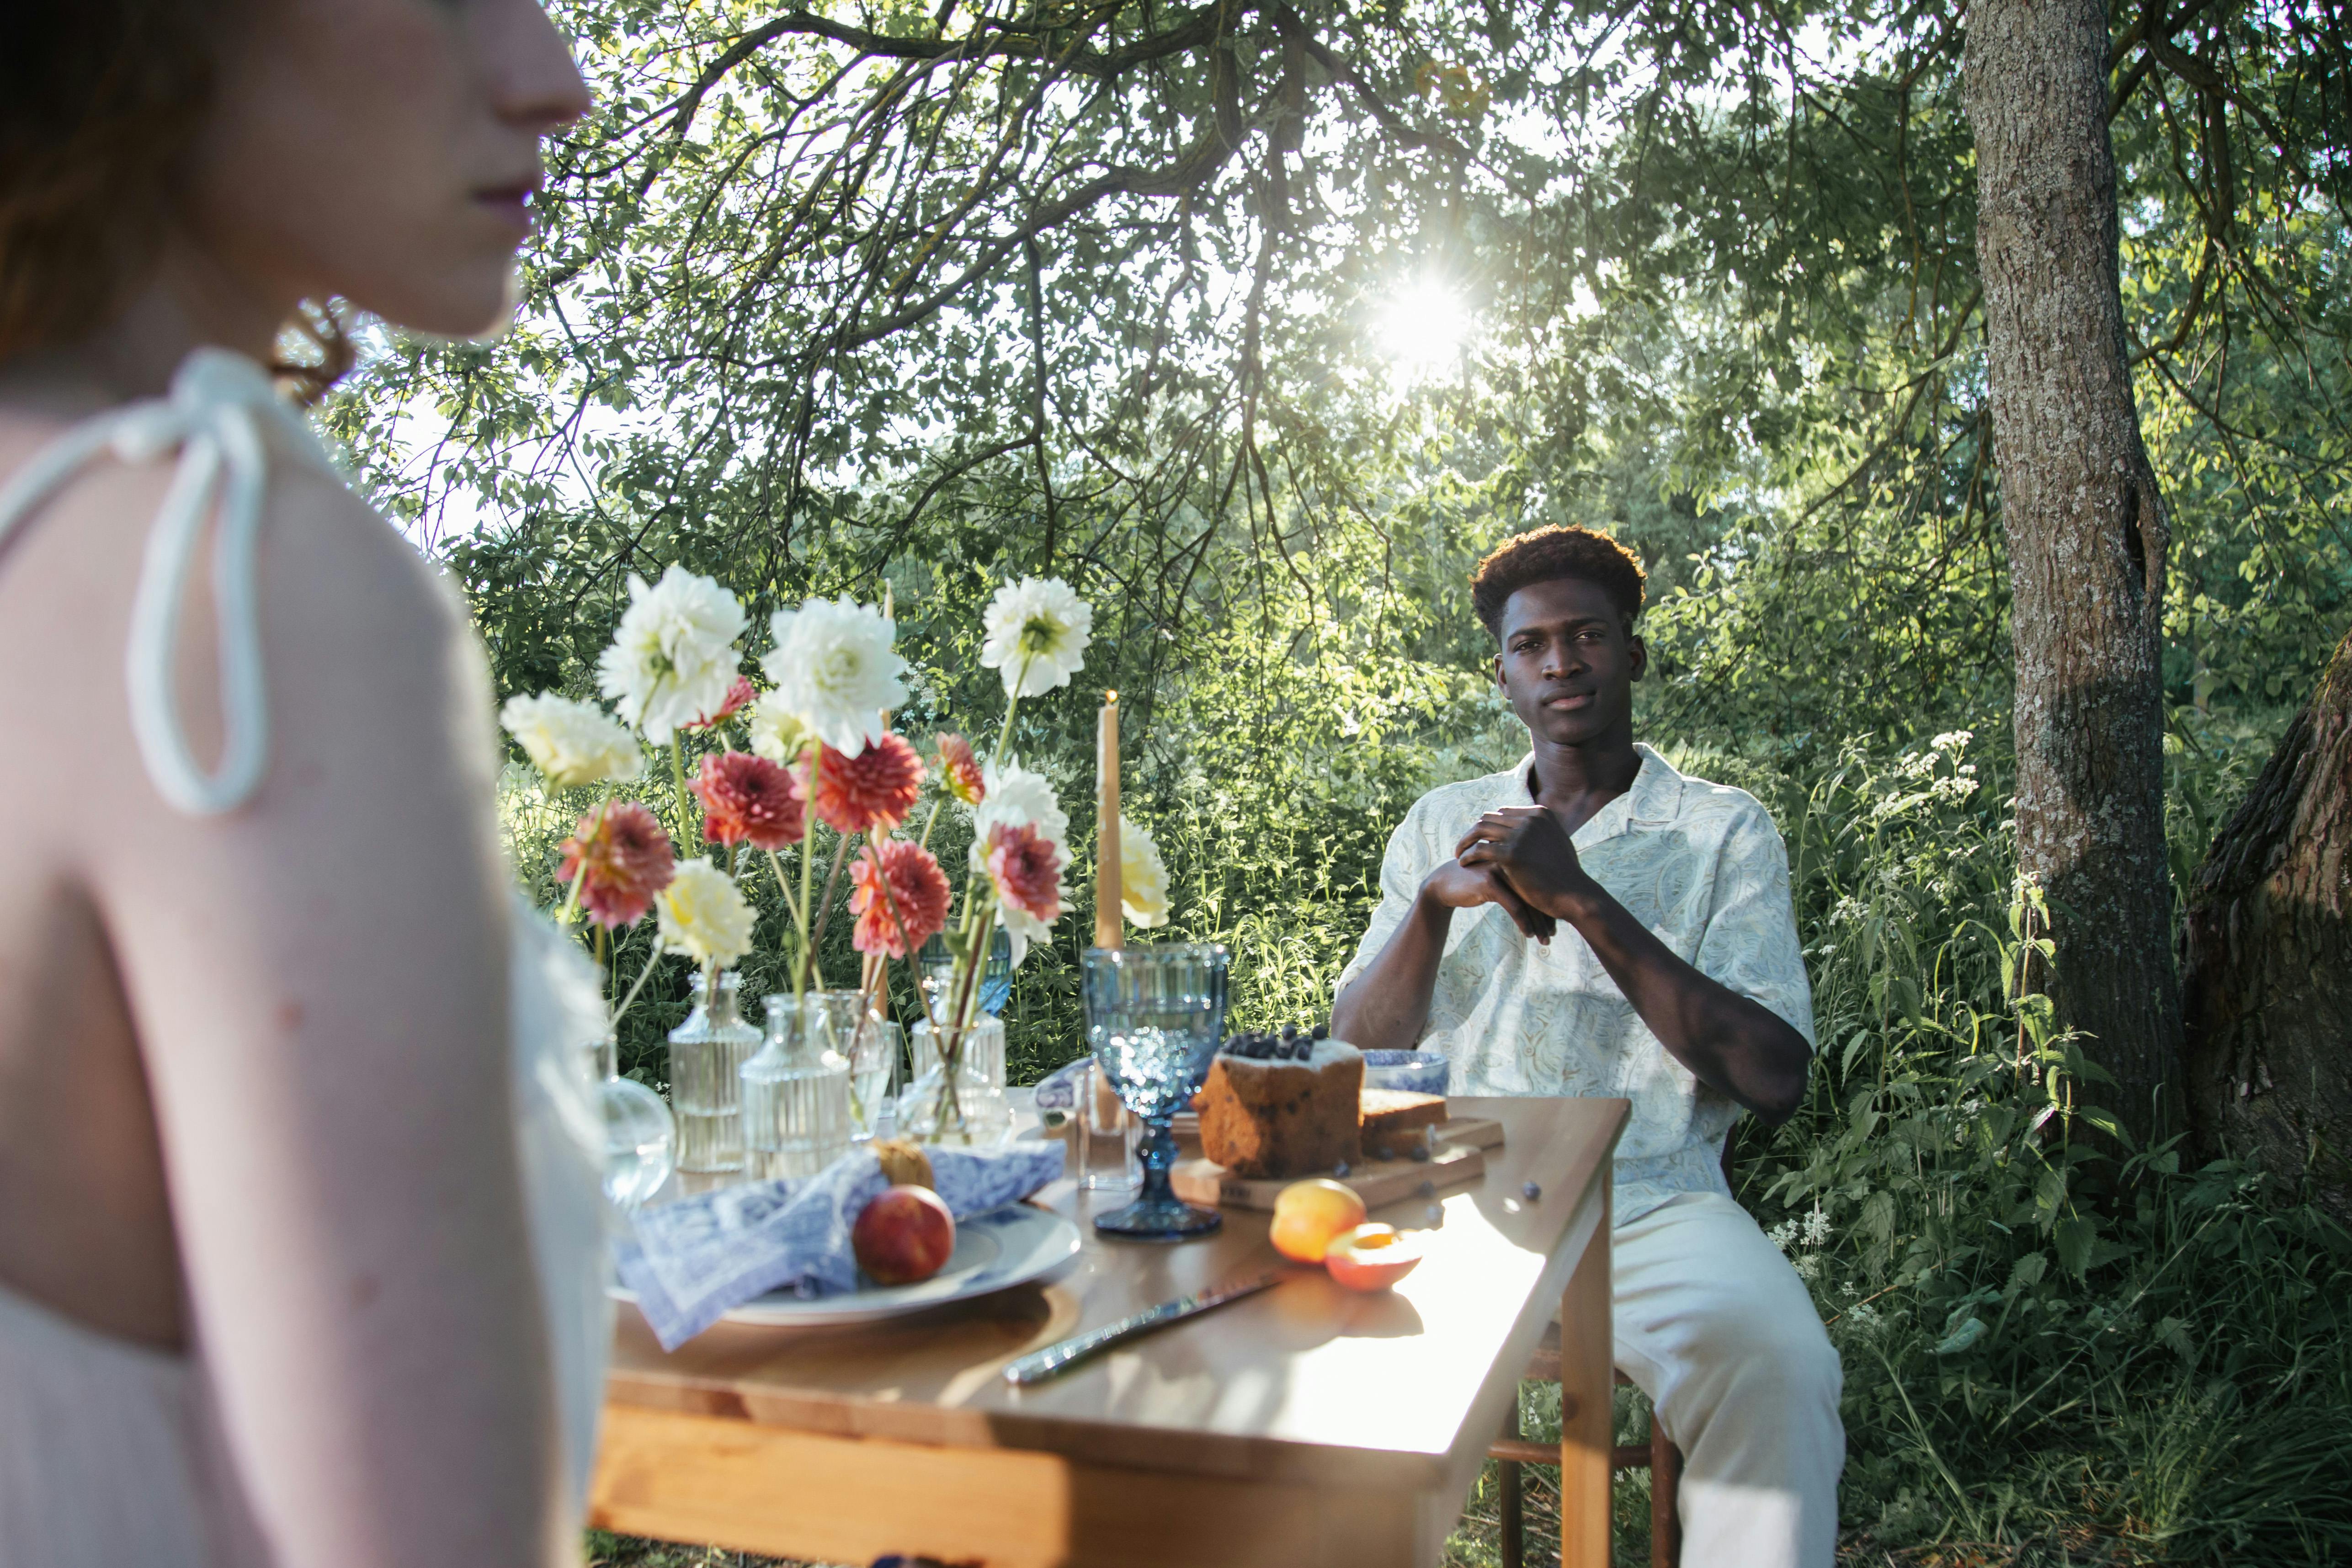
(105,1445)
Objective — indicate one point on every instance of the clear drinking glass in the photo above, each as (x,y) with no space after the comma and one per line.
(873,1075)
(976,1113)
(1109,1139)
(1154,1016)
(706,1053)
(795,1092)
(640,1136)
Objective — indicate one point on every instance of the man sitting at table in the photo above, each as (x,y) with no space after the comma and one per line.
(1592,922)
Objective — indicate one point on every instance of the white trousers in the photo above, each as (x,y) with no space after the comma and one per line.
(1715,1326)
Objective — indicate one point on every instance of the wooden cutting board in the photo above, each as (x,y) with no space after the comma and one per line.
(1461,1145)
(1469,1132)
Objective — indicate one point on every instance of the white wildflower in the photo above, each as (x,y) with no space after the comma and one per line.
(573,742)
(1817,1228)
(674,656)
(777,733)
(1808,1267)
(1037,629)
(704,916)
(1952,740)
(835,670)
(1848,908)
(1862,1318)
(1783,1235)
(1142,876)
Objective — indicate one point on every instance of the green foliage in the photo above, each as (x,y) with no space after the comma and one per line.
(2025,1354)
(865,295)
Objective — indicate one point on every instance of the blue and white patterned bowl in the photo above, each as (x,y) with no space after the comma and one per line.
(1415,1071)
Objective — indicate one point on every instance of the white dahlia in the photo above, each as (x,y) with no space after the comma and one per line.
(1142,876)
(1037,635)
(573,742)
(777,732)
(674,656)
(704,914)
(835,671)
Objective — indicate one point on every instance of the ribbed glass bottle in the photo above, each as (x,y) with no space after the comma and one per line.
(706,1053)
(795,1094)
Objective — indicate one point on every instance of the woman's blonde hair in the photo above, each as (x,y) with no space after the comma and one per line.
(99,102)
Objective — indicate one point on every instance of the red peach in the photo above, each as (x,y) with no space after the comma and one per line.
(1373,1257)
(904,1235)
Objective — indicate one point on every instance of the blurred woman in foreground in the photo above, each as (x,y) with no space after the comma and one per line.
(294,1265)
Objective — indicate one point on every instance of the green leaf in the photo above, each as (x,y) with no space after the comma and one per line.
(1963,1338)
(2073,1235)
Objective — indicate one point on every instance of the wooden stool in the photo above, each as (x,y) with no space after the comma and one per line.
(1661,1458)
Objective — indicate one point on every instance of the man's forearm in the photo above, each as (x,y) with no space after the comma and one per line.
(1731,1043)
(1385,1007)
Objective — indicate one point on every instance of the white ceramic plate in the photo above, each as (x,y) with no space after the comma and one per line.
(993,1251)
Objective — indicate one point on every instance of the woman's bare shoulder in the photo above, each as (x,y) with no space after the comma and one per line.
(363,648)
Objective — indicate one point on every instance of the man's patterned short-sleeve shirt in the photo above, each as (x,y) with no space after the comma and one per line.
(1702,866)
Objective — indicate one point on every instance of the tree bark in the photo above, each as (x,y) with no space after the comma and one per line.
(2086,535)
(2268,958)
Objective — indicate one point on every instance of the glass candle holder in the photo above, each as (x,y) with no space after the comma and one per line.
(1154,1016)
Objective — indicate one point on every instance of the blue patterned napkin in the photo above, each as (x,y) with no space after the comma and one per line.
(1058,1090)
(692,1261)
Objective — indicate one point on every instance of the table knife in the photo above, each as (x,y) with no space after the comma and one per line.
(1041,1364)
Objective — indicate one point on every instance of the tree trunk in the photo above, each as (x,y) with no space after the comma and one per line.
(2086,540)
(2268,987)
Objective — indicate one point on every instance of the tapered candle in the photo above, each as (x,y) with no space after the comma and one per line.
(1109,932)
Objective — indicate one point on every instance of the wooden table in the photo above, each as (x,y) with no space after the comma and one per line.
(1302,1427)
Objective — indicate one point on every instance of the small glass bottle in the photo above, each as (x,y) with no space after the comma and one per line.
(795,1094)
(706,1053)
(640,1135)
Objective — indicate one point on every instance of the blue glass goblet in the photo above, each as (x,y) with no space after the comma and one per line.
(1154,1016)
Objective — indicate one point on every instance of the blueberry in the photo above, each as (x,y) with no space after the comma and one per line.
(1322,1031)
(1289,1032)
(1427,1189)
(1531,1192)
(1420,1151)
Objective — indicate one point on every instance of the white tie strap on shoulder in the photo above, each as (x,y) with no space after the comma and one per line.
(213,417)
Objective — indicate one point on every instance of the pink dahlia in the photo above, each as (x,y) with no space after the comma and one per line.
(748,798)
(741,692)
(916,908)
(871,792)
(1027,867)
(962,769)
(621,858)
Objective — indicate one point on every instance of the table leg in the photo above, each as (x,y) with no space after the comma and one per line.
(1512,1502)
(1586,1353)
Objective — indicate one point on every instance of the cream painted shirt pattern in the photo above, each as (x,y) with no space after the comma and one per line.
(1702,866)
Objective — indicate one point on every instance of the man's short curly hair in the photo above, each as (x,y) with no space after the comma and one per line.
(1545,554)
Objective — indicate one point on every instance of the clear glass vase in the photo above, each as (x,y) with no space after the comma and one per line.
(706,1053)
(797,1116)
(967,1108)
(640,1134)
